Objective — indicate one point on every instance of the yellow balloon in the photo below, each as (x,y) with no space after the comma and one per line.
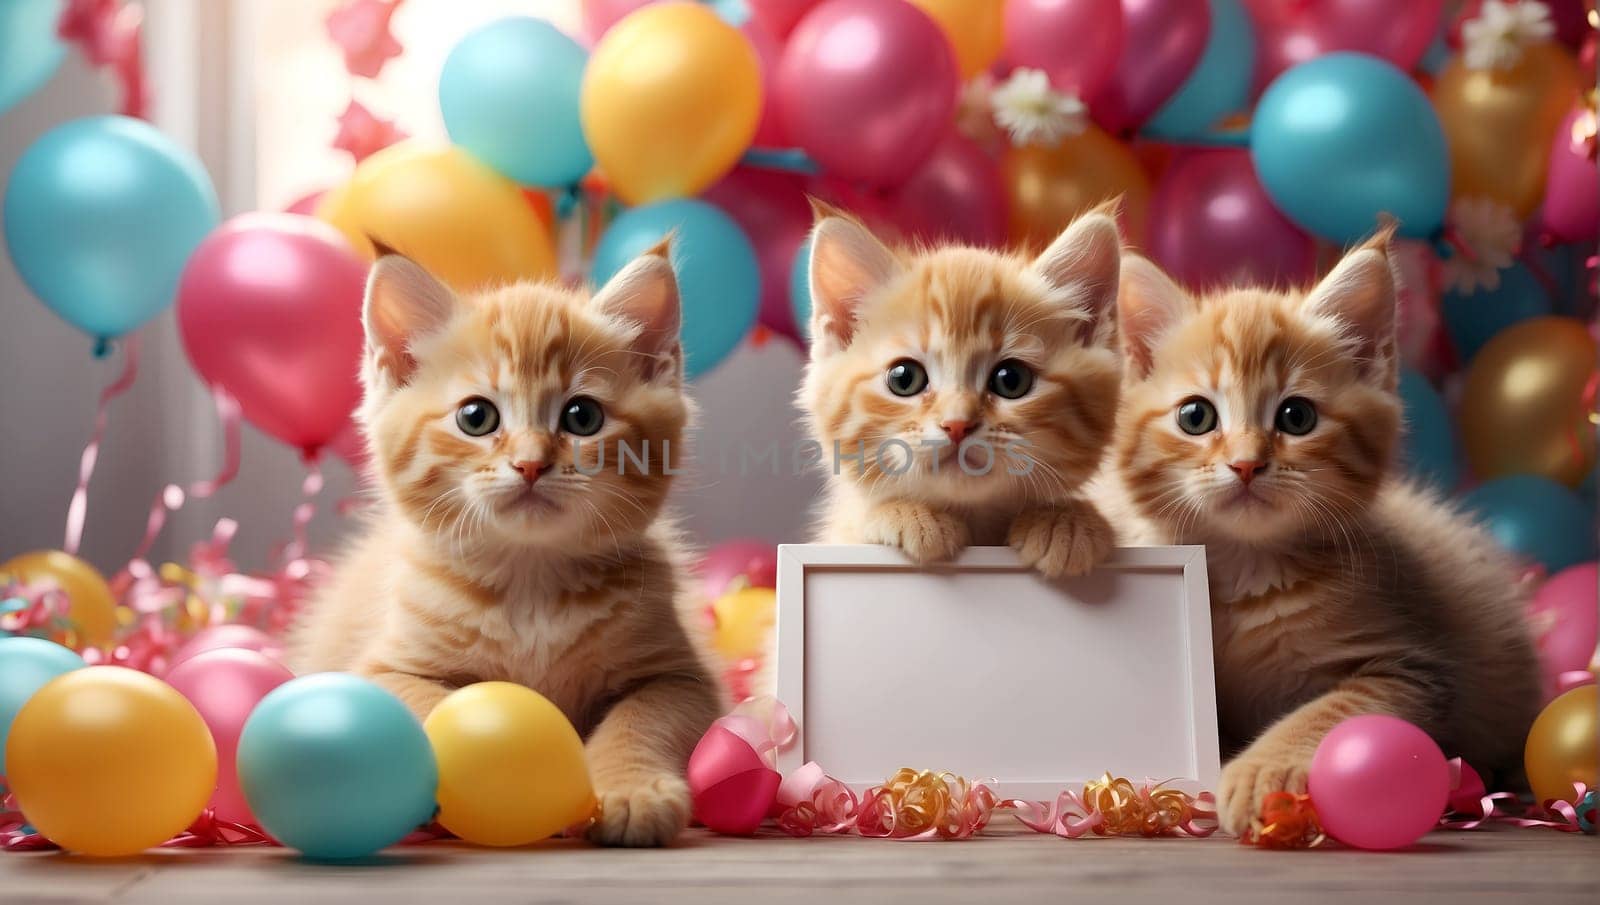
(671,99)
(1049,187)
(465,223)
(511,767)
(91,607)
(1500,122)
(744,622)
(1564,745)
(975,29)
(1525,405)
(108,761)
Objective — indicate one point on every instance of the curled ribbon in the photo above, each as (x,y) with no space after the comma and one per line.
(78,509)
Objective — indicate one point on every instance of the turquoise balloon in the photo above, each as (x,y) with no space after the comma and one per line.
(1429,450)
(30,49)
(718,279)
(509,95)
(800,289)
(336,767)
(1219,84)
(1473,320)
(26,664)
(1536,518)
(101,215)
(1341,138)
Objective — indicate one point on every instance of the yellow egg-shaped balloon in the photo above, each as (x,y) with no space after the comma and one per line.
(744,622)
(465,223)
(108,761)
(1564,745)
(91,608)
(975,29)
(511,767)
(1049,187)
(671,98)
(1499,123)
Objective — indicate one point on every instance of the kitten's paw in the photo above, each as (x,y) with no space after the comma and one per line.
(924,534)
(1062,540)
(1249,779)
(647,812)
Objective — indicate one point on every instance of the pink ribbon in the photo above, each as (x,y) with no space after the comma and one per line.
(78,510)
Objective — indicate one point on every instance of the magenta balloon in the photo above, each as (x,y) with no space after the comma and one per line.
(1564,616)
(1289,32)
(771,208)
(1571,211)
(956,195)
(867,88)
(220,637)
(769,50)
(224,686)
(1212,224)
(270,310)
(754,561)
(779,16)
(1161,42)
(1075,42)
(1378,782)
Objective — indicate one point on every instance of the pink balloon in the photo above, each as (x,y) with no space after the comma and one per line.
(1378,782)
(867,88)
(956,195)
(306,204)
(1075,42)
(754,561)
(779,16)
(222,637)
(1211,224)
(1161,42)
(598,16)
(1467,795)
(269,307)
(1289,32)
(771,207)
(1565,614)
(1571,211)
(769,50)
(225,685)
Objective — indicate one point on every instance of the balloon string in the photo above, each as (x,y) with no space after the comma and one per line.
(172,497)
(79,507)
(305,512)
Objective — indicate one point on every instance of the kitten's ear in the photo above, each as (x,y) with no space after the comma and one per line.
(1080,267)
(645,293)
(1148,302)
(848,264)
(1362,292)
(403,304)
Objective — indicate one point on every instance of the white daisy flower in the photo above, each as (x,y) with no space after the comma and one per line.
(1489,235)
(1034,113)
(1494,40)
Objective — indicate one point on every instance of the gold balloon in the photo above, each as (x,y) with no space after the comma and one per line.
(744,622)
(1564,745)
(975,29)
(1500,122)
(671,98)
(1050,186)
(91,608)
(467,224)
(1525,406)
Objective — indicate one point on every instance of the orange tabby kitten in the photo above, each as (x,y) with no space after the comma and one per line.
(961,396)
(506,545)
(1264,425)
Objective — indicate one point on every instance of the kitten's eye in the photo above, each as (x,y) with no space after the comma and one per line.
(1197,416)
(582,417)
(1011,379)
(907,378)
(477,417)
(1296,416)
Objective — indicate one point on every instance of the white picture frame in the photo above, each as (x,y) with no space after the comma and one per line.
(985,668)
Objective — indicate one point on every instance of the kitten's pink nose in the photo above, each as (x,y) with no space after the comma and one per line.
(955,430)
(530,470)
(1247,470)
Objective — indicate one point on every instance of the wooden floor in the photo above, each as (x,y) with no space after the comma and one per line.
(1503,865)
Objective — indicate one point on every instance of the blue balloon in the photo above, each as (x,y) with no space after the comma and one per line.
(101,216)
(1219,84)
(1341,138)
(30,49)
(1473,320)
(1536,518)
(509,94)
(26,664)
(336,767)
(800,289)
(1429,451)
(718,279)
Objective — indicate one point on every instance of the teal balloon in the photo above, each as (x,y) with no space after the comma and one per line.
(800,289)
(1472,320)
(336,767)
(509,95)
(1219,84)
(1536,518)
(30,49)
(719,282)
(1429,451)
(101,215)
(1341,138)
(26,664)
